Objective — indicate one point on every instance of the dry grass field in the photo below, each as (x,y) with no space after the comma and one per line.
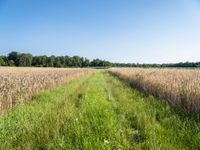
(177,86)
(18,85)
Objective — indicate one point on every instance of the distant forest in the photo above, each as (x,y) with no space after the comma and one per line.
(26,59)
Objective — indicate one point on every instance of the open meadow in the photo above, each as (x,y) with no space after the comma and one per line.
(98,109)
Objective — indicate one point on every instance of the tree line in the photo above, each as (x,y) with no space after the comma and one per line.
(25,59)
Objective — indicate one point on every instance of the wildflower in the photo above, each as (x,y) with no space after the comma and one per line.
(106,141)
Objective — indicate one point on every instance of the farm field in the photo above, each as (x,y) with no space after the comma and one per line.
(17,85)
(99,75)
(98,111)
(180,87)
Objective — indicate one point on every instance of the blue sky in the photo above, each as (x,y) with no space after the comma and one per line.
(144,31)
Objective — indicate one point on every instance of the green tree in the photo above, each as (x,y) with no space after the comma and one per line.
(95,62)
(35,61)
(2,62)
(76,61)
(62,60)
(44,61)
(14,57)
(57,62)
(25,60)
(70,62)
(50,61)
(86,62)
(11,63)
(67,61)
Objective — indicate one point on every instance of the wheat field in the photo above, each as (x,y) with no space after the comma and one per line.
(177,86)
(18,85)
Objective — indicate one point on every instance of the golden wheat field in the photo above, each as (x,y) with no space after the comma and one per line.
(178,86)
(18,85)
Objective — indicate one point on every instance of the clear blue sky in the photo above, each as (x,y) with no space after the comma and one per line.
(144,31)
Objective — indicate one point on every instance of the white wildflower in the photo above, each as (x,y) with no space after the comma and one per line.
(106,141)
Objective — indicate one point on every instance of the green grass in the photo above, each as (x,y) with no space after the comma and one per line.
(156,124)
(97,111)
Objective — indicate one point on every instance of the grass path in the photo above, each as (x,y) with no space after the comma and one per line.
(97,111)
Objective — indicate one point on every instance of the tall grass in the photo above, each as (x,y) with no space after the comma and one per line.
(97,111)
(154,124)
(179,87)
(17,85)
(78,115)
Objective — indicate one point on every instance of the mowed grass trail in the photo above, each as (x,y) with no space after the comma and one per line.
(97,111)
